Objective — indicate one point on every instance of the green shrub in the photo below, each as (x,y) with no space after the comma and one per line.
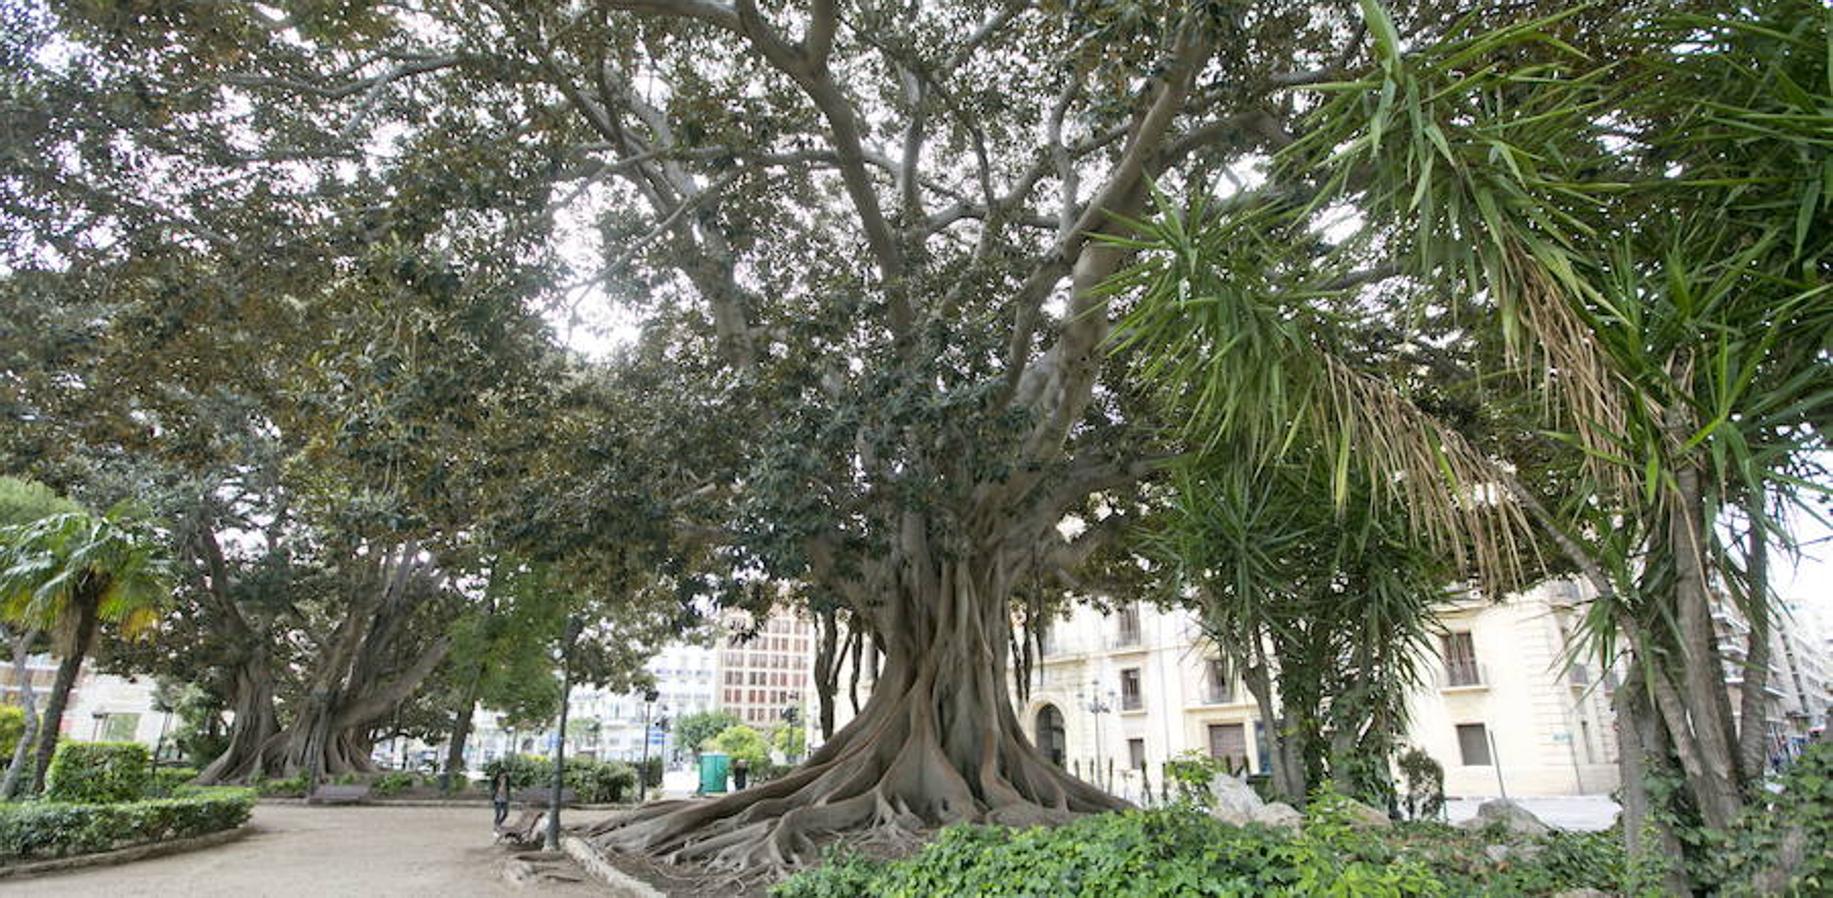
(289,787)
(393,783)
(743,742)
(1425,777)
(12,726)
(592,782)
(1191,772)
(652,772)
(46,829)
(1772,850)
(167,780)
(1172,851)
(1183,851)
(94,772)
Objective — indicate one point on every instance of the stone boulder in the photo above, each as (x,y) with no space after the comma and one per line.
(1232,801)
(1363,815)
(1513,818)
(1279,815)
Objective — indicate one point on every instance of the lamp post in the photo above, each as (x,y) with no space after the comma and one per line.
(642,773)
(573,626)
(1096,707)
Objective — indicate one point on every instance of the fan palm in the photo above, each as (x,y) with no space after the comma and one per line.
(67,573)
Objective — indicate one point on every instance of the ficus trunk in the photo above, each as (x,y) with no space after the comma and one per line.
(936,743)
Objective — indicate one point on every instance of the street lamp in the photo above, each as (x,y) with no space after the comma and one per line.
(573,626)
(1096,707)
(642,773)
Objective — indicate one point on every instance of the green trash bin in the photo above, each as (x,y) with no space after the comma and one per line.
(713,769)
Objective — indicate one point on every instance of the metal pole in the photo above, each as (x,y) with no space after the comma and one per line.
(566,688)
(642,772)
(1495,761)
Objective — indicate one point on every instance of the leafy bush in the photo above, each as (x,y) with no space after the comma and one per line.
(167,780)
(94,772)
(393,783)
(652,772)
(593,782)
(1191,772)
(1425,794)
(290,787)
(743,743)
(1772,851)
(1182,851)
(1172,851)
(12,726)
(45,829)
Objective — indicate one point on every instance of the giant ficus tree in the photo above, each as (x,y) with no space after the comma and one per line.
(868,242)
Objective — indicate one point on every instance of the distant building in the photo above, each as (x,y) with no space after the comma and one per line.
(763,676)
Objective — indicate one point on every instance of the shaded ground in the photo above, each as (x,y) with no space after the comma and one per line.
(295,850)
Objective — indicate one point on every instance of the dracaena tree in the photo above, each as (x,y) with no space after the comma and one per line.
(1629,203)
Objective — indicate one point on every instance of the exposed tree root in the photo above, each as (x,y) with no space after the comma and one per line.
(890,771)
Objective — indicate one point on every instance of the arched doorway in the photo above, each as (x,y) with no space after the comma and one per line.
(1051,739)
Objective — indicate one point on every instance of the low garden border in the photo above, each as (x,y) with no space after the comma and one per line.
(33,833)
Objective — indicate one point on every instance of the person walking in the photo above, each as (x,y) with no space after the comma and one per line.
(499,795)
(741,771)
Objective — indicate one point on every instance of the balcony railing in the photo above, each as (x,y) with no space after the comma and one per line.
(1462,674)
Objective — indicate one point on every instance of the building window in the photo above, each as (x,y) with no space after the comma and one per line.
(1473,744)
(1461,660)
(1218,686)
(1136,754)
(119,727)
(1228,742)
(1128,633)
(1130,697)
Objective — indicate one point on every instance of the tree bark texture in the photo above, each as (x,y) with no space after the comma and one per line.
(1714,779)
(937,743)
(28,703)
(1752,736)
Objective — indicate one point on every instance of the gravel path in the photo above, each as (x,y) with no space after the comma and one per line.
(295,850)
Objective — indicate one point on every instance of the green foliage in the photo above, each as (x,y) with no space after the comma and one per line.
(743,743)
(1183,851)
(25,501)
(12,727)
(694,731)
(98,772)
(1425,784)
(1192,771)
(593,782)
(652,771)
(288,787)
(170,780)
(790,740)
(393,783)
(46,829)
(1781,844)
(1176,851)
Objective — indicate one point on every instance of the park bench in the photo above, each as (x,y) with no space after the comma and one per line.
(351,794)
(527,829)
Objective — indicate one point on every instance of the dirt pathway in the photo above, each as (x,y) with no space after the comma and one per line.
(294,850)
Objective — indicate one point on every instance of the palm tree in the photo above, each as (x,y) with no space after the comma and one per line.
(67,573)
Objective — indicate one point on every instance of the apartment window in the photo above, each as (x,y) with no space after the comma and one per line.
(1218,686)
(1228,742)
(1473,744)
(1136,754)
(1130,697)
(1461,660)
(1128,625)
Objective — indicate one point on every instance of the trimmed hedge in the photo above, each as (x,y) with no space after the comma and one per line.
(592,782)
(168,780)
(49,829)
(99,772)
